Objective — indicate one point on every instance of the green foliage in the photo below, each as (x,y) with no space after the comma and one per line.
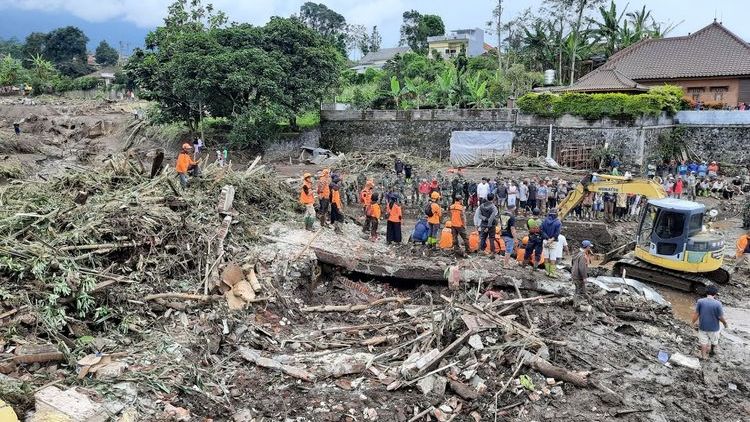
(671,144)
(193,68)
(308,120)
(417,27)
(106,55)
(11,47)
(12,72)
(595,106)
(327,22)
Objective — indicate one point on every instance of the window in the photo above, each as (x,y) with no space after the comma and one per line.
(718,92)
(695,225)
(695,93)
(670,225)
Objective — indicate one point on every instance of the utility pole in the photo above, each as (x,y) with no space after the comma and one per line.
(499,37)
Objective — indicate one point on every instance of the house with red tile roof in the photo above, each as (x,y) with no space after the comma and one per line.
(712,65)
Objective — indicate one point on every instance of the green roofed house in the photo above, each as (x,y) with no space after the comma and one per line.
(712,65)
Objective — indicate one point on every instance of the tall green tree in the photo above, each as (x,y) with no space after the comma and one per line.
(417,27)
(33,46)
(65,44)
(11,71)
(11,47)
(106,55)
(326,22)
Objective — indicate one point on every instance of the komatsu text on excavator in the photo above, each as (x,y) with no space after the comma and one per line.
(672,247)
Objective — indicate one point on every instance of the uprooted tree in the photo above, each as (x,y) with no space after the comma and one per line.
(195,66)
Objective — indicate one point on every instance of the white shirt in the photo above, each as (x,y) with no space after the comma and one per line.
(560,245)
(483,189)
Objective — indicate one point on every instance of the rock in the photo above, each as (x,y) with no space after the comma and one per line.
(371,414)
(427,358)
(70,404)
(557,392)
(475,342)
(346,364)
(463,390)
(585,308)
(686,361)
(476,380)
(176,413)
(426,384)
(111,371)
(344,384)
(440,415)
(732,387)
(32,353)
(476,416)
(126,390)
(551,381)
(445,408)
(243,415)
(440,384)
(7,366)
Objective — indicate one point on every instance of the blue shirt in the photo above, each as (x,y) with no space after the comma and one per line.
(709,311)
(682,169)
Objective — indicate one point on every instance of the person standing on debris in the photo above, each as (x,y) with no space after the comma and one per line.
(534,246)
(743,251)
(706,318)
(579,268)
(508,221)
(433,213)
(692,186)
(513,195)
(373,214)
(487,224)
(609,207)
(307,199)
(337,208)
(502,194)
(324,196)
(458,224)
(483,189)
(17,128)
(185,163)
(407,172)
(551,227)
(365,198)
(393,224)
(398,166)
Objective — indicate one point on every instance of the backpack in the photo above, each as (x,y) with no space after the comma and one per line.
(421,232)
(428,209)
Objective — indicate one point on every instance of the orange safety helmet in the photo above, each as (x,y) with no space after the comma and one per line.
(435,196)
(307,176)
(525,240)
(186,146)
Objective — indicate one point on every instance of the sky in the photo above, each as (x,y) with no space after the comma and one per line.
(124,23)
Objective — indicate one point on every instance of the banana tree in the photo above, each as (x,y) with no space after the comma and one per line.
(476,90)
(418,87)
(396,91)
(444,87)
(608,29)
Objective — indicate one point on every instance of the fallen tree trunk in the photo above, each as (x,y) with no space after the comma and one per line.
(579,379)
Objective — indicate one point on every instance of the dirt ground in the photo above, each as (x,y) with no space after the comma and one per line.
(319,342)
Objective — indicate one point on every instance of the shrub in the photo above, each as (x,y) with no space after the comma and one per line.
(543,104)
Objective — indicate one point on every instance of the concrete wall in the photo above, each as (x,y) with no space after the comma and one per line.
(289,147)
(427,133)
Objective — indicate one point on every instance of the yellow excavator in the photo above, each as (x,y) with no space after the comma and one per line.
(672,247)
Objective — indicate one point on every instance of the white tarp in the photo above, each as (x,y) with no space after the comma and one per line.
(471,147)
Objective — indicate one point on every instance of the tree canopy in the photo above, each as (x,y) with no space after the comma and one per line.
(106,55)
(326,22)
(417,27)
(64,47)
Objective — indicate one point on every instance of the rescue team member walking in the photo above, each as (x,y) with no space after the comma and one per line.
(533,252)
(185,163)
(324,196)
(307,198)
(458,225)
(365,197)
(337,208)
(433,213)
(393,225)
(708,313)
(579,268)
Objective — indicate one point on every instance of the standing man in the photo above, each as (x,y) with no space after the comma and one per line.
(307,199)
(184,164)
(458,224)
(534,246)
(692,186)
(502,194)
(743,251)
(609,207)
(399,166)
(531,198)
(324,196)
(551,227)
(337,208)
(17,128)
(433,213)
(508,233)
(487,224)
(483,189)
(708,313)
(580,268)
(365,198)
(373,214)
(393,225)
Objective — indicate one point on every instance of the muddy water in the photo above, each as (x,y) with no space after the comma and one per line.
(683,303)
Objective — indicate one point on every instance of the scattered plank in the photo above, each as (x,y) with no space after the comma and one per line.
(32,353)
(253,356)
(354,308)
(183,296)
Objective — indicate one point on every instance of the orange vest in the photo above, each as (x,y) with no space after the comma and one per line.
(446,239)
(436,214)
(336,199)
(184,161)
(521,253)
(474,241)
(742,245)
(457,213)
(324,190)
(306,198)
(374,211)
(394,215)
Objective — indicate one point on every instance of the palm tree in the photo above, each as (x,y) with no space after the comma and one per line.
(608,29)
(640,20)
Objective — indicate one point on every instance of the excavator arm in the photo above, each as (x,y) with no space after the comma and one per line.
(603,183)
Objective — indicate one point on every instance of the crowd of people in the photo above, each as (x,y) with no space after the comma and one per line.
(444,209)
(691,180)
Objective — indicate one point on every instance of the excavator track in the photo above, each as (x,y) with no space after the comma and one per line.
(688,282)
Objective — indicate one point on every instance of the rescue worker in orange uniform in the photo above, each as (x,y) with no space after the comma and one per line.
(393,225)
(373,213)
(337,208)
(434,214)
(446,237)
(307,199)
(365,198)
(185,163)
(458,224)
(743,251)
(521,253)
(324,196)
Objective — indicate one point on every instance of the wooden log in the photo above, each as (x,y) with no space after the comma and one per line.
(254,356)
(184,296)
(579,379)
(32,353)
(354,308)
(449,349)
(466,392)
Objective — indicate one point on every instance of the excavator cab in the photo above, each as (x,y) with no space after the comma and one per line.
(671,236)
